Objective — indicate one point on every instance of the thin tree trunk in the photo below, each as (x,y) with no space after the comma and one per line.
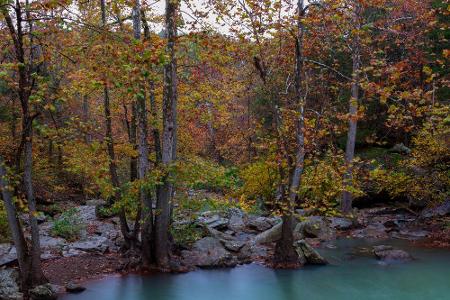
(347,198)
(110,146)
(212,149)
(13,122)
(85,107)
(153,108)
(155,130)
(132,132)
(16,231)
(169,142)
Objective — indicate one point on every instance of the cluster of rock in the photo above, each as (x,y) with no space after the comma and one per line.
(387,222)
(234,237)
(98,236)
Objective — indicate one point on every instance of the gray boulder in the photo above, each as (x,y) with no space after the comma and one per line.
(252,252)
(233,245)
(400,148)
(86,213)
(7,254)
(236,220)
(215,221)
(340,223)
(9,286)
(438,211)
(373,231)
(314,227)
(308,254)
(48,242)
(74,288)
(70,252)
(209,253)
(43,292)
(269,236)
(91,244)
(389,254)
(95,202)
(259,223)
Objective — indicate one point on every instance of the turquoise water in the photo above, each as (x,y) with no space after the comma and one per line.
(348,277)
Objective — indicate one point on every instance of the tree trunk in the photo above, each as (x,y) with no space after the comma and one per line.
(347,198)
(24,91)
(142,134)
(285,251)
(148,233)
(16,231)
(35,251)
(169,142)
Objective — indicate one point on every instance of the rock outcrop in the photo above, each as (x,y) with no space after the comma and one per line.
(43,292)
(308,255)
(209,252)
(438,211)
(388,254)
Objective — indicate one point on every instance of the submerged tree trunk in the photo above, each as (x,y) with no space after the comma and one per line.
(347,198)
(169,141)
(285,252)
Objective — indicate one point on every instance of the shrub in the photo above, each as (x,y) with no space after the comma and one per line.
(187,234)
(68,225)
(205,203)
(259,184)
(424,176)
(322,184)
(199,173)
(89,164)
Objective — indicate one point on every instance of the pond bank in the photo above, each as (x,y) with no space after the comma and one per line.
(227,239)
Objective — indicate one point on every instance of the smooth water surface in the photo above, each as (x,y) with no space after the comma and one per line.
(346,278)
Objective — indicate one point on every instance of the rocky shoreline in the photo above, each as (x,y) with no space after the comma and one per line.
(229,238)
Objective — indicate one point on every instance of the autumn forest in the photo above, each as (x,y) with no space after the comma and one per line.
(143,138)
